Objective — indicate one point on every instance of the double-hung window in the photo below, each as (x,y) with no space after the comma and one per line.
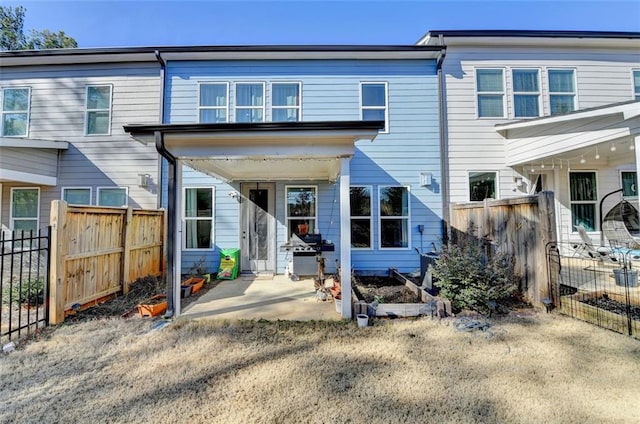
(373,103)
(301,209)
(583,196)
(562,91)
(25,205)
(394,217)
(628,180)
(77,195)
(285,101)
(526,93)
(250,102)
(360,217)
(15,111)
(198,217)
(213,104)
(482,185)
(490,91)
(98,110)
(113,196)
(636,84)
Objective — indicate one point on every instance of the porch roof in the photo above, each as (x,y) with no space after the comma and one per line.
(266,151)
(573,135)
(30,161)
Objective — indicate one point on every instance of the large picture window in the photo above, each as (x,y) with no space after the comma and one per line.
(394,217)
(250,102)
(77,195)
(98,110)
(360,217)
(490,90)
(15,112)
(113,196)
(25,205)
(373,103)
(285,101)
(526,93)
(301,210)
(562,91)
(213,104)
(483,185)
(583,195)
(198,217)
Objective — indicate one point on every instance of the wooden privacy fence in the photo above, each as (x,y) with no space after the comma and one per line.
(99,251)
(520,227)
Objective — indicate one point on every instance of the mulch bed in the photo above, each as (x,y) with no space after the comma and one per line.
(611,305)
(383,290)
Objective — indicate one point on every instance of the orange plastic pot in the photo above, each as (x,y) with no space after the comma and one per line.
(155,307)
(196,284)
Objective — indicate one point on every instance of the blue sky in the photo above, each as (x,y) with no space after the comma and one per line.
(162,23)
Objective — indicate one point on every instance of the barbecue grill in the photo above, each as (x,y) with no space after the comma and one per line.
(306,251)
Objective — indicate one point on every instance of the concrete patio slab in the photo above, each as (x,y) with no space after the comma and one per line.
(262,297)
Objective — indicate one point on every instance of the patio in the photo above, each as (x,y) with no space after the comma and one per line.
(262,297)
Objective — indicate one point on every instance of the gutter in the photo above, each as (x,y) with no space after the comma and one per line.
(171,197)
(444,145)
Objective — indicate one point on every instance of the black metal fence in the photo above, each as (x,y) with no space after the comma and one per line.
(24,282)
(597,285)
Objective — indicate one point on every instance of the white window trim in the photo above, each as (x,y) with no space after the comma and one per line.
(620,171)
(79,188)
(583,202)
(560,93)
(272,107)
(12,111)
(634,94)
(198,218)
(225,108)
(286,208)
(87,110)
(407,217)
(386,102)
(497,172)
(515,93)
(503,92)
(126,190)
(235,100)
(11,218)
(370,216)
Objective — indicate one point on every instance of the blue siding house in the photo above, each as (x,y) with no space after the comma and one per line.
(334,146)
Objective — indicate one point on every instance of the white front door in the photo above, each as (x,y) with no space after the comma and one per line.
(258,226)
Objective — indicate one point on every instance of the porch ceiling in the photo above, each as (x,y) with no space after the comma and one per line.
(262,151)
(606,133)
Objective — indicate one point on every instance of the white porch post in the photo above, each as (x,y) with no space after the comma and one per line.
(637,150)
(177,270)
(345,237)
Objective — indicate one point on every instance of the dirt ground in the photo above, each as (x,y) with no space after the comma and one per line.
(528,368)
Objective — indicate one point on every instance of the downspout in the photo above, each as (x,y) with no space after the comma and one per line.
(171,195)
(444,144)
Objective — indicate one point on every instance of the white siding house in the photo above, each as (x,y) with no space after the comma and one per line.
(538,110)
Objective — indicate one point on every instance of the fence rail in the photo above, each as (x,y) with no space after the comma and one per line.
(24,282)
(99,251)
(520,227)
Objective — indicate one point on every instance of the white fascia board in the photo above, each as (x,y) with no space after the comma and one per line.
(33,144)
(26,177)
(302,54)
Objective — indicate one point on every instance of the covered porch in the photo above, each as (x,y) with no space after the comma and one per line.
(581,156)
(254,160)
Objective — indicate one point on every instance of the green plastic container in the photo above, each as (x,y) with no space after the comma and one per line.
(229,263)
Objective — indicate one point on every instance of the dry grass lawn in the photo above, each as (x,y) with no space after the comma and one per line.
(535,369)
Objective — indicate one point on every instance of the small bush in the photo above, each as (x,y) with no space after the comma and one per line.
(30,292)
(471,280)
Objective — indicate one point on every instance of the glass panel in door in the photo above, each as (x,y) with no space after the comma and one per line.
(258,228)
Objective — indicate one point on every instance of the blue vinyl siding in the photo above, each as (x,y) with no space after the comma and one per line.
(331,91)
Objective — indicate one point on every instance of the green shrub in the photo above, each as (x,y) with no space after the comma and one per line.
(30,292)
(470,280)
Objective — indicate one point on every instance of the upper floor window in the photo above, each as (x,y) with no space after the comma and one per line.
(285,101)
(77,195)
(213,105)
(112,196)
(15,111)
(373,103)
(636,85)
(98,110)
(490,89)
(394,217)
(562,91)
(250,102)
(526,93)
